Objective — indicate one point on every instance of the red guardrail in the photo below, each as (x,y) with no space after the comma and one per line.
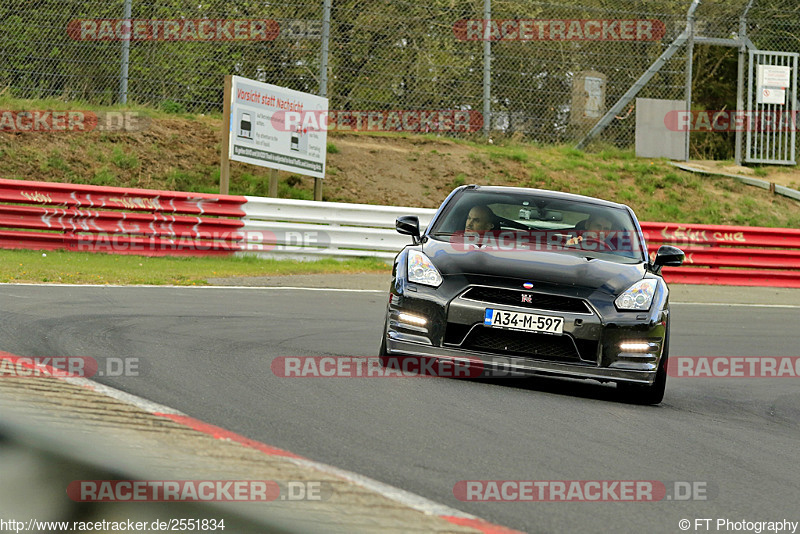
(118,220)
(729,255)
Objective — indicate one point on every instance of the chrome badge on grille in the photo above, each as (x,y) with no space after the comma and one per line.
(527,298)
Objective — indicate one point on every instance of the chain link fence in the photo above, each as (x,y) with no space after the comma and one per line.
(555,68)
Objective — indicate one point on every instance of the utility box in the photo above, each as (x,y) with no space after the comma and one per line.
(588,97)
(659,132)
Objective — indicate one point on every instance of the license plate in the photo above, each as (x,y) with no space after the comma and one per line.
(530,322)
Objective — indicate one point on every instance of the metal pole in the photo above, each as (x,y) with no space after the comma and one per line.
(126,48)
(326,37)
(273,183)
(487,67)
(740,102)
(323,74)
(740,79)
(224,159)
(688,89)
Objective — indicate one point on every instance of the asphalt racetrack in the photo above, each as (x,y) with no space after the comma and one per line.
(208,352)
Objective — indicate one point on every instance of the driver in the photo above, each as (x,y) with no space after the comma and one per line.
(480,219)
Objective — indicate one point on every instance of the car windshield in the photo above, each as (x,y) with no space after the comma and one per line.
(529,221)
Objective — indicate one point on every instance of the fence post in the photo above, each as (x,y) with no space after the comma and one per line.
(740,79)
(487,67)
(323,73)
(126,48)
(690,24)
(326,36)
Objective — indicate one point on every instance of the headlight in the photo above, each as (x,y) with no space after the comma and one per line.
(637,297)
(421,270)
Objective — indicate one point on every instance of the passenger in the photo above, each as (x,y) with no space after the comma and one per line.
(597,224)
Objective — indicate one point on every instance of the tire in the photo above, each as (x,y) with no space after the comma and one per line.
(383,356)
(654,393)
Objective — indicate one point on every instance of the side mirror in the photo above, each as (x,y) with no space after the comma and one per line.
(408,225)
(668,256)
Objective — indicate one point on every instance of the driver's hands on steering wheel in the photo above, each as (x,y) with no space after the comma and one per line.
(602,244)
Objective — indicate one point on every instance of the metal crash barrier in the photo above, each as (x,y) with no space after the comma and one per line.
(53,216)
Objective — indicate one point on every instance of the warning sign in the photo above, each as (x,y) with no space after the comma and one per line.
(772,81)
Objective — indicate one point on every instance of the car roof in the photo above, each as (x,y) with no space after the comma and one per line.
(544,193)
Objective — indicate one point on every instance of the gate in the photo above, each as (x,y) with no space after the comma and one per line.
(772,107)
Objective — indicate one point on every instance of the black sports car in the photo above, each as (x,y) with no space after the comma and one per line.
(526,281)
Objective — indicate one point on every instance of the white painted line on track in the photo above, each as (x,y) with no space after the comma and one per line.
(409,499)
(345,290)
(737,304)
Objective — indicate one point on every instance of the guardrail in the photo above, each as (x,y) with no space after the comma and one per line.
(147,222)
(302,229)
(729,255)
(51,216)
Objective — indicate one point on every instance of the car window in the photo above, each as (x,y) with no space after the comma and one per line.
(539,222)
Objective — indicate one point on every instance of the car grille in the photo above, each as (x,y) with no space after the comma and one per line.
(526,344)
(540,301)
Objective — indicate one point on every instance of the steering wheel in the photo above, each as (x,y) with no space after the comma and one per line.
(601,245)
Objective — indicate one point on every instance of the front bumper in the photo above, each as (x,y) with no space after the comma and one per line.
(497,365)
(598,342)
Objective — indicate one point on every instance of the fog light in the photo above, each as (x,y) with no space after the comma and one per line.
(412,319)
(634,346)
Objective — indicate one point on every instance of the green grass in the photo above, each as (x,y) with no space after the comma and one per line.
(104,177)
(512,153)
(459,180)
(54,162)
(88,268)
(123,160)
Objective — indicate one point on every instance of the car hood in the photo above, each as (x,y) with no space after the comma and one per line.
(547,268)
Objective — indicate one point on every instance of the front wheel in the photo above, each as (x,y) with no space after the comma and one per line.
(653,393)
(383,356)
